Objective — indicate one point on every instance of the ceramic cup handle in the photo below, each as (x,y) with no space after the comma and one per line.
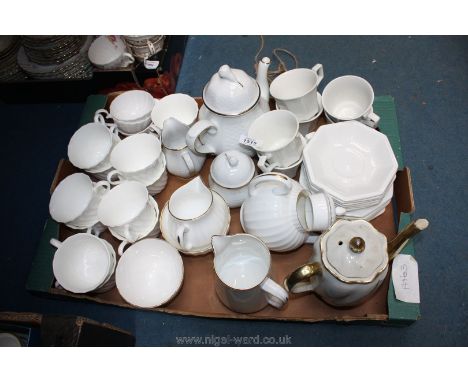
(302,279)
(100,117)
(111,175)
(371,120)
(283,181)
(318,69)
(96,229)
(275,294)
(188,162)
(195,134)
(181,238)
(121,249)
(127,59)
(102,184)
(153,129)
(264,166)
(55,243)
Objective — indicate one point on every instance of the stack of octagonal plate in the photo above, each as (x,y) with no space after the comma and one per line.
(354,164)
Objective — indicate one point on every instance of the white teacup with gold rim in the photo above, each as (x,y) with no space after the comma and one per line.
(193,214)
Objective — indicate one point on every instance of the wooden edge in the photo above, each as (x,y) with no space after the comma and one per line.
(403,191)
(55,181)
(34,319)
(65,294)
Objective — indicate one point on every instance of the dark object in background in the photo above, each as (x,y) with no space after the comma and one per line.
(33,329)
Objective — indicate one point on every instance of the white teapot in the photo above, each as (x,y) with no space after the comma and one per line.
(232,100)
(349,262)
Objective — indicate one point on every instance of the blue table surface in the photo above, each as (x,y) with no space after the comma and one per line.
(427,76)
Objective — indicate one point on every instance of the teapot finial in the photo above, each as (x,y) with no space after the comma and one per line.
(226,73)
(232,160)
(357,244)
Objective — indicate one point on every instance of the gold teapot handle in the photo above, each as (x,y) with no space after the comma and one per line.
(300,280)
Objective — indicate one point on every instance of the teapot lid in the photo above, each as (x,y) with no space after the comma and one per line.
(354,251)
(231,92)
(232,169)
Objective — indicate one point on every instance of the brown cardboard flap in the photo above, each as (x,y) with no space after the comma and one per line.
(197,295)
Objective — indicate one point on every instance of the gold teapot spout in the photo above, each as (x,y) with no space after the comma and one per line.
(398,243)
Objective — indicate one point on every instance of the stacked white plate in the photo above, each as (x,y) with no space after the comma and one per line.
(144,46)
(9,68)
(352,163)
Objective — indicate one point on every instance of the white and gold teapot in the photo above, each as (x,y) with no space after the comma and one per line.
(232,100)
(350,261)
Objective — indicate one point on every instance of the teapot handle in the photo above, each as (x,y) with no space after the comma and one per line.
(284,188)
(300,280)
(194,134)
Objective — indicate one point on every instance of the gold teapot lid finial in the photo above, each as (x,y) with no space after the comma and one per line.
(357,244)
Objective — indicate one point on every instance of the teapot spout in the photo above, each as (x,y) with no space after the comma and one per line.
(220,243)
(262,80)
(399,242)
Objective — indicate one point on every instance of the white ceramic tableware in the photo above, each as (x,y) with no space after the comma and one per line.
(305,127)
(232,100)
(349,161)
(83,263)
(178,106)
(296,90)
(9,340)
(193,214)
(242,264)
(75,201)
(109,52)
(278,211)
(349,98)
(181,161)
(277,138)
(138,157)
(131,111)
(149,273)
(129,212)
(90,146)
(349,262)
(230,174)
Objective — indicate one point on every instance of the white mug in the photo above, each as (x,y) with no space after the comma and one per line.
(90,146)
(84,263)
(296,91)
(109,52)
(277,138)
(242,265)
(129,212)
(349,98)
(180,107)
(75,201)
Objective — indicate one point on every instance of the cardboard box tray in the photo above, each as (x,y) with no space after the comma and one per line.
(197,296)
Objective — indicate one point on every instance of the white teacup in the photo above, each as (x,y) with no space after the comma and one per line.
(180,160)
(75,201)
(131,111)
(90,146)
(129,212)
(242,264)
(138,157)
(349,98)
(83,263)
(277,137)
(296,91)
(180,107)
(109,52)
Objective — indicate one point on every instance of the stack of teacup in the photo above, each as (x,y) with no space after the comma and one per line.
(144,46)
(109,52)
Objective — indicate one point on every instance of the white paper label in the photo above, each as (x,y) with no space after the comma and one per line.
(150,64)
(247,141)
(405,278)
